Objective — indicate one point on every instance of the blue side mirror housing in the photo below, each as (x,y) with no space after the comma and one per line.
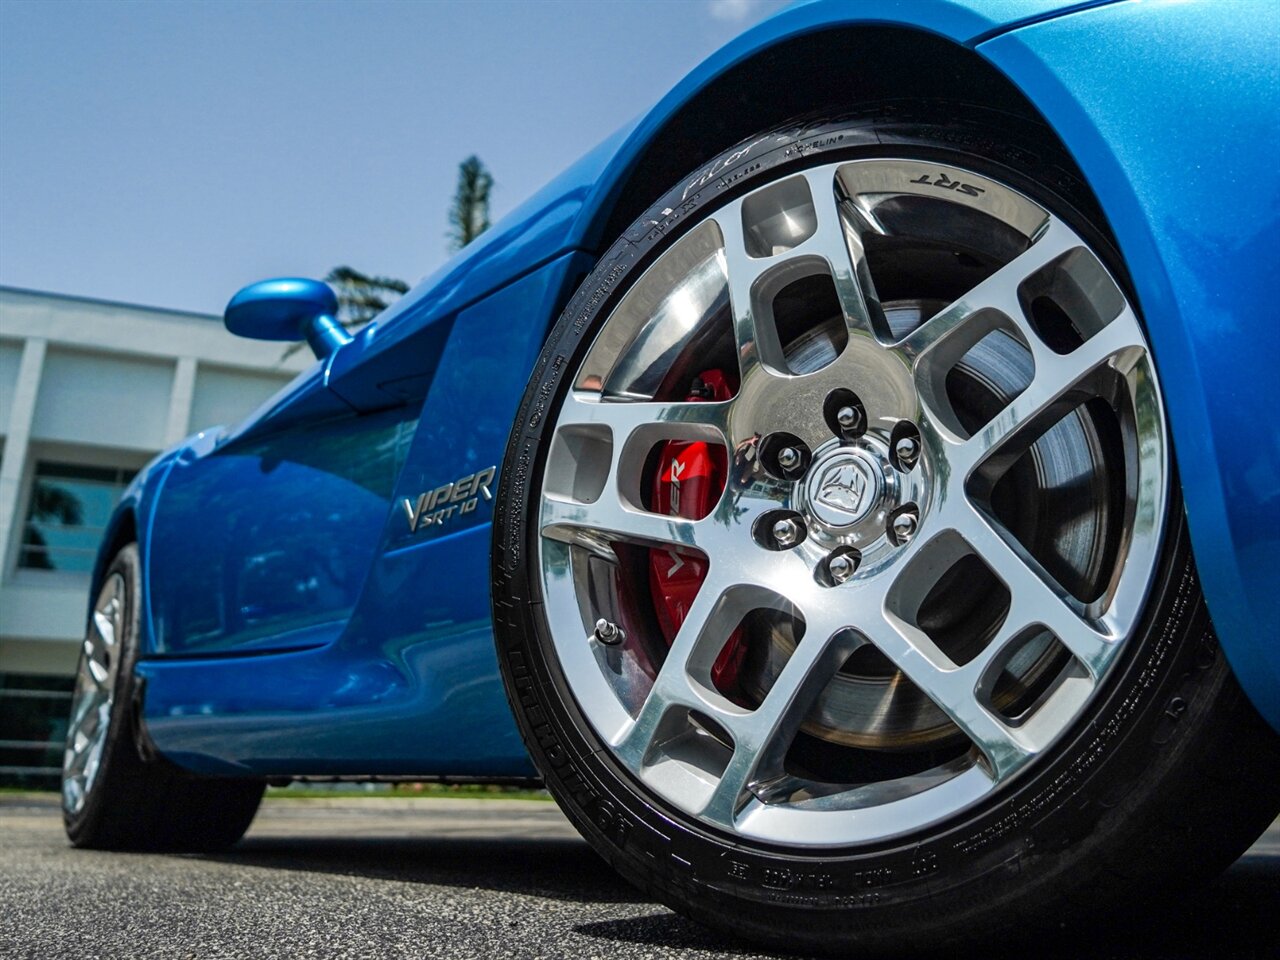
(289,308)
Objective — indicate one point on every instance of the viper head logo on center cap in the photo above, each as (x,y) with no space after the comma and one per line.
(843,489)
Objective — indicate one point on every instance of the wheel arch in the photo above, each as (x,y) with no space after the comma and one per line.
(121,530)
(795,76)
(130,523)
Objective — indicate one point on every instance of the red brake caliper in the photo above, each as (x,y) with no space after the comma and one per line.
(690,479)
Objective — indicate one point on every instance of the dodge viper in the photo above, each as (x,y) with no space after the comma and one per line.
(848,489)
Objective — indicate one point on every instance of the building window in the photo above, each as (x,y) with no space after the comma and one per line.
(68,512)
(33,725)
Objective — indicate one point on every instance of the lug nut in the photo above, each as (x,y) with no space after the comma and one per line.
(789,458)
(841,567)
(609,633)
(786,532)
(907,450)
(849,418)
(904,526)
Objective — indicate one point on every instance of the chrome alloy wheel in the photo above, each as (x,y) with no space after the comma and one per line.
(944,501)
(94,695)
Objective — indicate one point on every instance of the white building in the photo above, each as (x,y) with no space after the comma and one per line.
(90,390)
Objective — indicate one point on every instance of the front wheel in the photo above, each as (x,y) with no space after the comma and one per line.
(841,585)
(113,797)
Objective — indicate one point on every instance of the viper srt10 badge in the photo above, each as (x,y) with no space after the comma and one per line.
(459,497)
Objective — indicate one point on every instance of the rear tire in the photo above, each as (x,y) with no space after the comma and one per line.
(113,798)
(1164,776)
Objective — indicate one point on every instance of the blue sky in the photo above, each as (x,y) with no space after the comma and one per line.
(167,153)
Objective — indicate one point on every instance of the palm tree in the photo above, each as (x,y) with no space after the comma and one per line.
(362,297)
(469,216)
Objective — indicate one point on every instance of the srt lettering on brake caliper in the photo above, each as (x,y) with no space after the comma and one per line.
(453,499)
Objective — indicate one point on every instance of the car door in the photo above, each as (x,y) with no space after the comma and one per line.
(263,535)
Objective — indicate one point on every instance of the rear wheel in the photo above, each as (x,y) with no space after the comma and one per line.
(112,797)
(841,586)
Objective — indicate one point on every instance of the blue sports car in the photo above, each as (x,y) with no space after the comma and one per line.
(848,489)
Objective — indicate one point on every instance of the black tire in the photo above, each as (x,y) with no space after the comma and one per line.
(137,803)
(1169,778)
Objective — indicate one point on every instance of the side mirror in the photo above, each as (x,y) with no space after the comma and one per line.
(288,309)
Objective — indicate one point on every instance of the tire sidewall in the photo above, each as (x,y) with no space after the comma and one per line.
(1033,830)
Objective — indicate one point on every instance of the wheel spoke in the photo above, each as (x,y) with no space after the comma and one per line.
(656,420)
(953,690)
(90,722)
(636,427)
(944,338)
(708,623)
(1035,597)
(1060,382)
(755,338)
(105,626)
(72,789)
(99,644)
(833,244)
(609,519)
(73,761)
(88,694)
(838,242)
(762,737)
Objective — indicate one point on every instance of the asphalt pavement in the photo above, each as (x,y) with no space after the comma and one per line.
(375,877)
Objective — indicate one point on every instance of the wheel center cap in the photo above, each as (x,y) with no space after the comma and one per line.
(843,487)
